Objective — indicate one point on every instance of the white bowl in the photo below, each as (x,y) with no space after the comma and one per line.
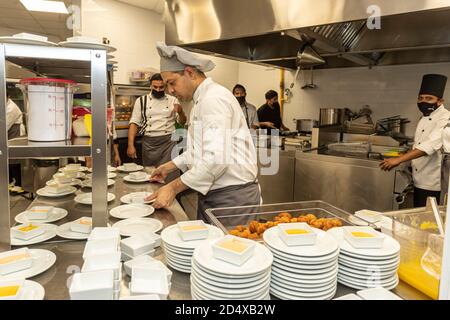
(82,225)
(11,289)
(244,251)
(104,233)
(374,240)
(15,260)
(142,297)
(128,265)
(304,239)
(149,281)
(137,245)
(158,265)
(98,247)
(193,230)
(110,261)
(27,231)
(39,212)
(95,285)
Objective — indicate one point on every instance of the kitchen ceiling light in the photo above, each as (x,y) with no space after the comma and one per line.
(45,6)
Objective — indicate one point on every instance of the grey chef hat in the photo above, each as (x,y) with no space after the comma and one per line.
(175,59)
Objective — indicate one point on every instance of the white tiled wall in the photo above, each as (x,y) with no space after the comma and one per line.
(389,91)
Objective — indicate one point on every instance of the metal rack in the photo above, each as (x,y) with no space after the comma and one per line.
(82,66)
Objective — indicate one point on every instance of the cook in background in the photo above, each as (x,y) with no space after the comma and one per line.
(426,155)
(269,114)
(155,115)
(15,129)
(215,116)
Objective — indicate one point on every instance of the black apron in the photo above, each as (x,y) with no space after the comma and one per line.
(233,196)
(157,151)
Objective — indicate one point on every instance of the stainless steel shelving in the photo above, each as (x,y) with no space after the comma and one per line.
(82,66)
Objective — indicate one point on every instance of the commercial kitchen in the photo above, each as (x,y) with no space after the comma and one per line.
(111,192)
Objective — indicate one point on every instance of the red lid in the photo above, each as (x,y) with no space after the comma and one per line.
(37,80)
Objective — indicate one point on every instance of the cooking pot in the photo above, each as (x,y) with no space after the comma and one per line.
(305,125)
(332,116)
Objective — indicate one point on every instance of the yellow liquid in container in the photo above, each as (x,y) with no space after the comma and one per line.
(358,234)
(8,291)
(28,228)
(14,258)
(233,245)
(412,273)
(296,231)
(193,228)
(85,222)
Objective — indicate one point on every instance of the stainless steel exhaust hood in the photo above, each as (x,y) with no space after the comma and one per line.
(272,32)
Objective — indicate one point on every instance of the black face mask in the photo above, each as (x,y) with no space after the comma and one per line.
(427,108)
(158,94)
(241,100)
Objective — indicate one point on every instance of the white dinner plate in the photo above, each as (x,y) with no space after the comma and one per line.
(86,198)
(364,265)
(260,261)
(390,246)
(109,168)
(127,198)
(14,40)
(54,215)
(302,267)
(300,276)
(371,284)
(74,183)
(298,290)
(371,280)
(87,45)
(44,192)
(369,268)
(230,279)
(176,256)
(80,169)
(217,296)
(42,261)
(305,260)
(80,175)
(325,244)
(171,236)
(50,232)
(174,250)
(88,183)
(217,286)
(64,231)
(135,226)
(369,274)
(32,291)
(111,175)
(344,259)
(127,211)
(136,168)
(178,267)
(280,293)
(288,281)
(184,263)
(129,179)
(294,267)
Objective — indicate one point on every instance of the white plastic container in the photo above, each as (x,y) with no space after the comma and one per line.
(126,257)
(193,230)
(357,238)
(104,233)
(110,261)
(49,105)
(158,265)
(27,231)
(244,249)
(11,289)
(96,285)
(304,239)
(82,225)
(15,260)
(149,281)
(128,265)
(99,247)
(39,212)
(137,245)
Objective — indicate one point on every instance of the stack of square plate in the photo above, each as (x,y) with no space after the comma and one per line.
(367,268)
(178,252)
(214,279)
(303,272)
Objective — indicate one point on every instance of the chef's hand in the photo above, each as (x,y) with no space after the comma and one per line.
(117,160)
(164,197)
(159,174)
(268,125)
(177,108)
(389,164)
(131,152)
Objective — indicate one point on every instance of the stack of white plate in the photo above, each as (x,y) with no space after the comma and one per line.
(303,272)
(367,268)
(178,252)
(214,279)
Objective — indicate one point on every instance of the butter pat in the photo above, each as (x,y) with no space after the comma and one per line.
(82,225)
(11,289)
(15,260)
(27,231)
(39,212)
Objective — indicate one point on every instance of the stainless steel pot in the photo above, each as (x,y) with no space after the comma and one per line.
(332,116)
(305,125)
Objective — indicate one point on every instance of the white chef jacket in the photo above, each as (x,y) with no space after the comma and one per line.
(160,115)
(220,151)
(428,138)
(14,116)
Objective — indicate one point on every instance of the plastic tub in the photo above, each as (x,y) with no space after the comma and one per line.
(49,108)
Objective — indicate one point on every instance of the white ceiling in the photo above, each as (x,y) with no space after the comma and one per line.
(154,5)
(15,18)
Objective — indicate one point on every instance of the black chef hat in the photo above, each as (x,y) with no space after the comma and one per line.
(433,84)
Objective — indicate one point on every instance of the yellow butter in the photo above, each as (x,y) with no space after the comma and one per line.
(359,234)
(16,257)
(193,228)
(296,231)
(28,228)
(8,291)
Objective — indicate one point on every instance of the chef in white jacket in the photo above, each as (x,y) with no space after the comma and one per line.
(14,121)
(426,153)
(220,161)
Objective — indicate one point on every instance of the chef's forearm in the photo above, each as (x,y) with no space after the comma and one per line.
(178,186)
(411,155)
(132,131)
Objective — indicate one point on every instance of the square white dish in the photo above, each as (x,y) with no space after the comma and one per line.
(39,212)
(96,285)
(104,233)
(379,293)
(149,281)
(129,264)
(363,237)
(27,231)
(110,261)
(243,250)
(193,230)
(137,245)
(82,225)
(11,289)
(304,239)
(98,247)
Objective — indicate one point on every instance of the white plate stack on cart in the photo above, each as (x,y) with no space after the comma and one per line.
(178,252)
(362,267)
(305,271)
(231,268)
(101,273)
